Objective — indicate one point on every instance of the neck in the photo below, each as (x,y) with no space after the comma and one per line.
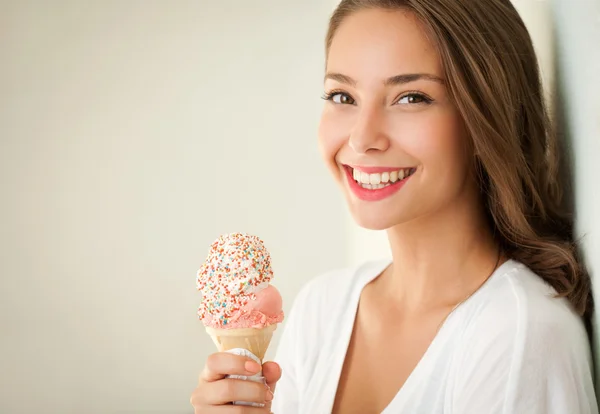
(439,259)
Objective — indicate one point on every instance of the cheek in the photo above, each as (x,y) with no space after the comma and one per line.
(436,139)
(331,138)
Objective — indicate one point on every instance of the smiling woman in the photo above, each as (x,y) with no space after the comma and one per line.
(434,128)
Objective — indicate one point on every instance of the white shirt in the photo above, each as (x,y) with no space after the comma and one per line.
(511,348)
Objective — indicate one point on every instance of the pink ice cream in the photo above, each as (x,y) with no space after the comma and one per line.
(265,310)
(234,281)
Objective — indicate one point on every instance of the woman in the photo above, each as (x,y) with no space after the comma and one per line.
(435,129)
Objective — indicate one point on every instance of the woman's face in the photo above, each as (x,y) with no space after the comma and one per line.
(389,133)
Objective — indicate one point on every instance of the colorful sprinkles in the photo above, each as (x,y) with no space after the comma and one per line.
(237,266)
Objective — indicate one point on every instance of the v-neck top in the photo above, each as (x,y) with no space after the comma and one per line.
(511,348)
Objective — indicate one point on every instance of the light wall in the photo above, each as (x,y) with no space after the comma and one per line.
(577,26)
(133,133)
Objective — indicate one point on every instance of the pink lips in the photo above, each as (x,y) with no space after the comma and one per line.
(373,195)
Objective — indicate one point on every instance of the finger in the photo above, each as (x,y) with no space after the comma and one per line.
(228,390)
(272,373)
(221,364)
(234,409)
(200,406)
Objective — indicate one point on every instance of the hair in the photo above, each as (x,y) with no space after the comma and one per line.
(493,77)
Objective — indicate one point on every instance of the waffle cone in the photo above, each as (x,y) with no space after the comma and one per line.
(254,340)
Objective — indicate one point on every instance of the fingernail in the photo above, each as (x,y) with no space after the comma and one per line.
(252,367)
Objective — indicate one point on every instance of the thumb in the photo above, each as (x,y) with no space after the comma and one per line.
(272,374)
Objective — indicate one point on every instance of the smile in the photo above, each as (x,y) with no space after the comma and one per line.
(377,181)
(374,184)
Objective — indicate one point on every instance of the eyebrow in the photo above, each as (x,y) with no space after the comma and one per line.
(394,80)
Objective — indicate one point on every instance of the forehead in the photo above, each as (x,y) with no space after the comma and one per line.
(380,43)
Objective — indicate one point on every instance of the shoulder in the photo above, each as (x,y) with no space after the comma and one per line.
(519,328)
(522,349)
(522,306)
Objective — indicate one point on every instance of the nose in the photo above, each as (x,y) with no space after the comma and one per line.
(368,133)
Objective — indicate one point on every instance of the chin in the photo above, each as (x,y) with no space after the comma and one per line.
(370,224)
(372,219)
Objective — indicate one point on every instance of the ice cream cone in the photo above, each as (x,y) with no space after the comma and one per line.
(254,340)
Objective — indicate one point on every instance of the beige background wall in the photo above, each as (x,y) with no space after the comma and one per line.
(133,133)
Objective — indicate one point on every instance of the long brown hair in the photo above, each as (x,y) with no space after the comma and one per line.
(492,75)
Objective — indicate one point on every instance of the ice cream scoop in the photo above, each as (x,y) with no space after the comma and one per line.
(234,282)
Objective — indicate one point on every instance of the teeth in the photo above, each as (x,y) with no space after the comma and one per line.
(375,186)
(378,181)
(364,178)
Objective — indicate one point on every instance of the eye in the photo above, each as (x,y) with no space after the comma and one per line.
(340,98)
(414,99)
